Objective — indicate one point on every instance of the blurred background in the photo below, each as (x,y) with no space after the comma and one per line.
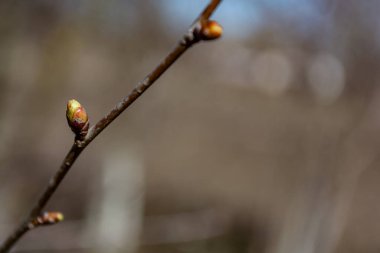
(263,141)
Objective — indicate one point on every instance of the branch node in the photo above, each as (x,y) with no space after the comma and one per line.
(79,141)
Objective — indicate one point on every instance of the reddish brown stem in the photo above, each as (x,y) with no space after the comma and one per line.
(189,39)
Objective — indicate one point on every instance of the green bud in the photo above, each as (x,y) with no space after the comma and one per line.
(76,117)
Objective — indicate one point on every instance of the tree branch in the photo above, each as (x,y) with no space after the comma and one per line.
(190,38)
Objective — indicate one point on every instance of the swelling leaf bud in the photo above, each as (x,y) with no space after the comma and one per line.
(210,30)
(76,117)
(47,218)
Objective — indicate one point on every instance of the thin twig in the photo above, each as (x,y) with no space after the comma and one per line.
(189,39)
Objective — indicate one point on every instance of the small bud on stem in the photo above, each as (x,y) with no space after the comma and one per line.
(47,218)
(77,117)
(210,30)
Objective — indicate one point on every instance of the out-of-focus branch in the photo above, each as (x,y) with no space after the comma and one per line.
(207,12)
(201,29)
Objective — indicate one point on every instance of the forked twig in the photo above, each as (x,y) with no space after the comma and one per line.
(197,32)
